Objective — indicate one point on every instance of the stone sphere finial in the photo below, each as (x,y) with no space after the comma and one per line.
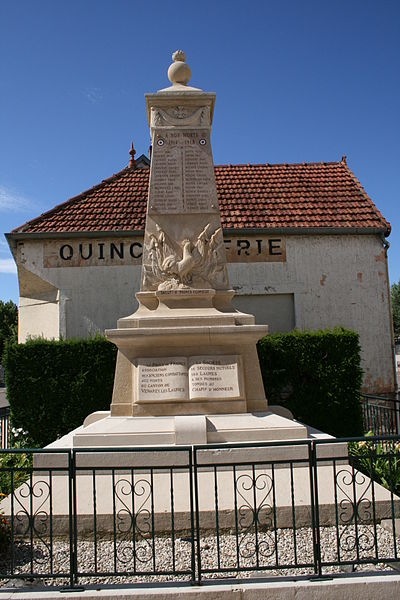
(179,71)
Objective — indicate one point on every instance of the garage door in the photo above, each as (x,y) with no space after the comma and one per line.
(275,310)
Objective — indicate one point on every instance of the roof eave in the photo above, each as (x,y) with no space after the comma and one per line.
(229,231)
(64,235)
(312,230)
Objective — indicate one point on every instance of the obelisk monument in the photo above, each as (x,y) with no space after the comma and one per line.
(187,367)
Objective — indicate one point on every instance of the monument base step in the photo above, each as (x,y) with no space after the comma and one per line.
(101,429)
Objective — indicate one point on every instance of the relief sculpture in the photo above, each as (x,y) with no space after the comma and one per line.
(180,116)
(172,265)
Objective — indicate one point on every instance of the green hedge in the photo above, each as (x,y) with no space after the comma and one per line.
(53,385)
(317,375)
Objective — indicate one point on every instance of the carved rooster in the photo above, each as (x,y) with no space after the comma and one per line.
(173,262)
(182,267)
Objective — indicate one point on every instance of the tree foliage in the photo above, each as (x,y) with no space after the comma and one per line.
(8,323)
(395,294)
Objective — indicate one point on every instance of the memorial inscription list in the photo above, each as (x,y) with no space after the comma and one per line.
(181,168)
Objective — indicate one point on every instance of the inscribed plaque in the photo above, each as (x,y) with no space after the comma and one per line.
(162,379)
(214,377)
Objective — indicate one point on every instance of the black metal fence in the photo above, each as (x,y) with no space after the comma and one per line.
(381,415)
(195,513)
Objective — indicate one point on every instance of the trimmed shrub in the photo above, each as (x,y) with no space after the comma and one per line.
(53,385)
(316,375)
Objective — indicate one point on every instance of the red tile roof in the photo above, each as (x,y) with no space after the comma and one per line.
(283,196)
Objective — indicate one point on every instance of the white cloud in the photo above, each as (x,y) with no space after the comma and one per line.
(7,265)
(93,94)
(10,200)
(5,250)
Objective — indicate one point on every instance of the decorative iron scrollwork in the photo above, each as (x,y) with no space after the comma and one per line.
(354,511)
(255,515)
(133,521)
(32,518)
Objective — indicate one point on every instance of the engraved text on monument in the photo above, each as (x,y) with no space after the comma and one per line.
(182,173)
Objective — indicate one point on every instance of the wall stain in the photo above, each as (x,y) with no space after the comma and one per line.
(376,386)
(359,277)
(381,257)
(323,279)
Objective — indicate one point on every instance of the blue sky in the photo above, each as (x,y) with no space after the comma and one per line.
(295,81)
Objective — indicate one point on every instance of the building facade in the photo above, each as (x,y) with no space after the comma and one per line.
(306,249)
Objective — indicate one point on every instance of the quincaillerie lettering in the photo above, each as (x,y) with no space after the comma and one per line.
(256,247)
(101,250)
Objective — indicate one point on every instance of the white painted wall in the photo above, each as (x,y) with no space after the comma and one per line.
(336,280)
(330,279)
(38,318)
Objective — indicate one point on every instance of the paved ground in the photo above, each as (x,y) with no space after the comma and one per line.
(354,588)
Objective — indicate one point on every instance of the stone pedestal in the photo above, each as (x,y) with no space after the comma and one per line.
(187,352)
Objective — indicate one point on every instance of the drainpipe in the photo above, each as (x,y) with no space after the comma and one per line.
(386,246)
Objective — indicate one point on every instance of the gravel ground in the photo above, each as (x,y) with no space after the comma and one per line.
(156,556)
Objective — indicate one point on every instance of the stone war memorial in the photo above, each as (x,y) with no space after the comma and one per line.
(191,473)
(187,368)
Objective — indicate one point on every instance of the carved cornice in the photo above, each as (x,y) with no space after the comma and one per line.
(180,116)
(190,101)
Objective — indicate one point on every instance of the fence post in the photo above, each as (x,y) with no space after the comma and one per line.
(195,536)
(71,486)
(313,467)
(73,560)
(5,427)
